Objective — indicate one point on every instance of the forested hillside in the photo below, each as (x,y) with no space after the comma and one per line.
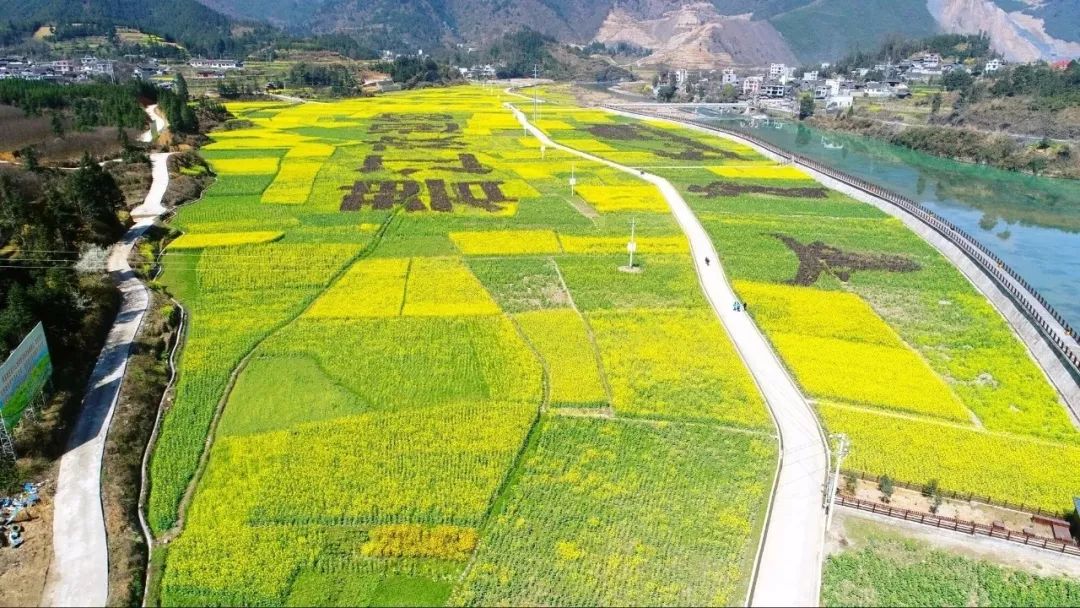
(202,30)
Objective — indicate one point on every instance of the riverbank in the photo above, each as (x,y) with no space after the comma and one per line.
(1044,158)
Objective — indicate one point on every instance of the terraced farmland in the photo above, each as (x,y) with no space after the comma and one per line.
(425,380)
(896,347)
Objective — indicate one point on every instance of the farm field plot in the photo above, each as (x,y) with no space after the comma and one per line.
(636,542)
(884,568)
(402,322)
(895,346)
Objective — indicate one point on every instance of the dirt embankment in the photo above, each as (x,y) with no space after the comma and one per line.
(133,422)
(1049,158)
(696,36)
(55,141)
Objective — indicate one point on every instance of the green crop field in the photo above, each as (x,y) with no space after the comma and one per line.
(883,568)
(894,345)
(415,375)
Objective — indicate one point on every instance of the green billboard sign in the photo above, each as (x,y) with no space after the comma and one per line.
(23,375)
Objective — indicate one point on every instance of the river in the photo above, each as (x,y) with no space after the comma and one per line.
(1033,223)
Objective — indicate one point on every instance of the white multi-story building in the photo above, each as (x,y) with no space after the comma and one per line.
(64,66)
(993,65)
(777,71)
(215,64)
(751,85)
(729,77)
(810,76)
(837,86)
(931,61)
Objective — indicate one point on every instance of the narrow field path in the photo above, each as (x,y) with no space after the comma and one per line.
(79,573)
(790,560)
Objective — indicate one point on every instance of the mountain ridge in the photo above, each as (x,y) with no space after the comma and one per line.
(714,31)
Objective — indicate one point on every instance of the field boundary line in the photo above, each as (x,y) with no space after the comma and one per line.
(583,412)
(501,495)
(592,337)
(144,480)
(405,288)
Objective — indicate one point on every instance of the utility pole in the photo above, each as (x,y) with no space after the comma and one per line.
(573,180)
(834,483)
(631,247)
(536,76)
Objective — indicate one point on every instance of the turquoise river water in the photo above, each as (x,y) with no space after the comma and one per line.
(1033,223)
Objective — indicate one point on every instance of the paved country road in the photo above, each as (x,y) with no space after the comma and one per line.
(79,573)
(789,566)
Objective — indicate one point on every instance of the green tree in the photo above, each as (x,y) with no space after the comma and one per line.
(29,155)
(935,103)
(957,80)
(728,94)
(806,106)
(930,488)
(885,484)
(181,88)
(96,197)
(57,124)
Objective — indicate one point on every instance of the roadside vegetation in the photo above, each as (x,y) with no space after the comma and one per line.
(884,568)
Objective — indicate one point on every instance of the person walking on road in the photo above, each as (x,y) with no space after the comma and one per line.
(706,261)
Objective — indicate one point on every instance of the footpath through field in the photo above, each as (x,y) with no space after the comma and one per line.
(79,573)
(789,567)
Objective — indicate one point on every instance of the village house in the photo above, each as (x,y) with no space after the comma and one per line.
(751,86)
(216,64)
(774,90)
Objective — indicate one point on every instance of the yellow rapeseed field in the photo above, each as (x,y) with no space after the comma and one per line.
(293,182)
(371,288)
(815,312)
(415,540)
(760,172)
(607,199)
(871,374)
(999,465)
(445,287)
(559,336)
(223,239)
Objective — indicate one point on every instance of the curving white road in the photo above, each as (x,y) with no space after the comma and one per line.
(159,124)
(789,565)
(79,573)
